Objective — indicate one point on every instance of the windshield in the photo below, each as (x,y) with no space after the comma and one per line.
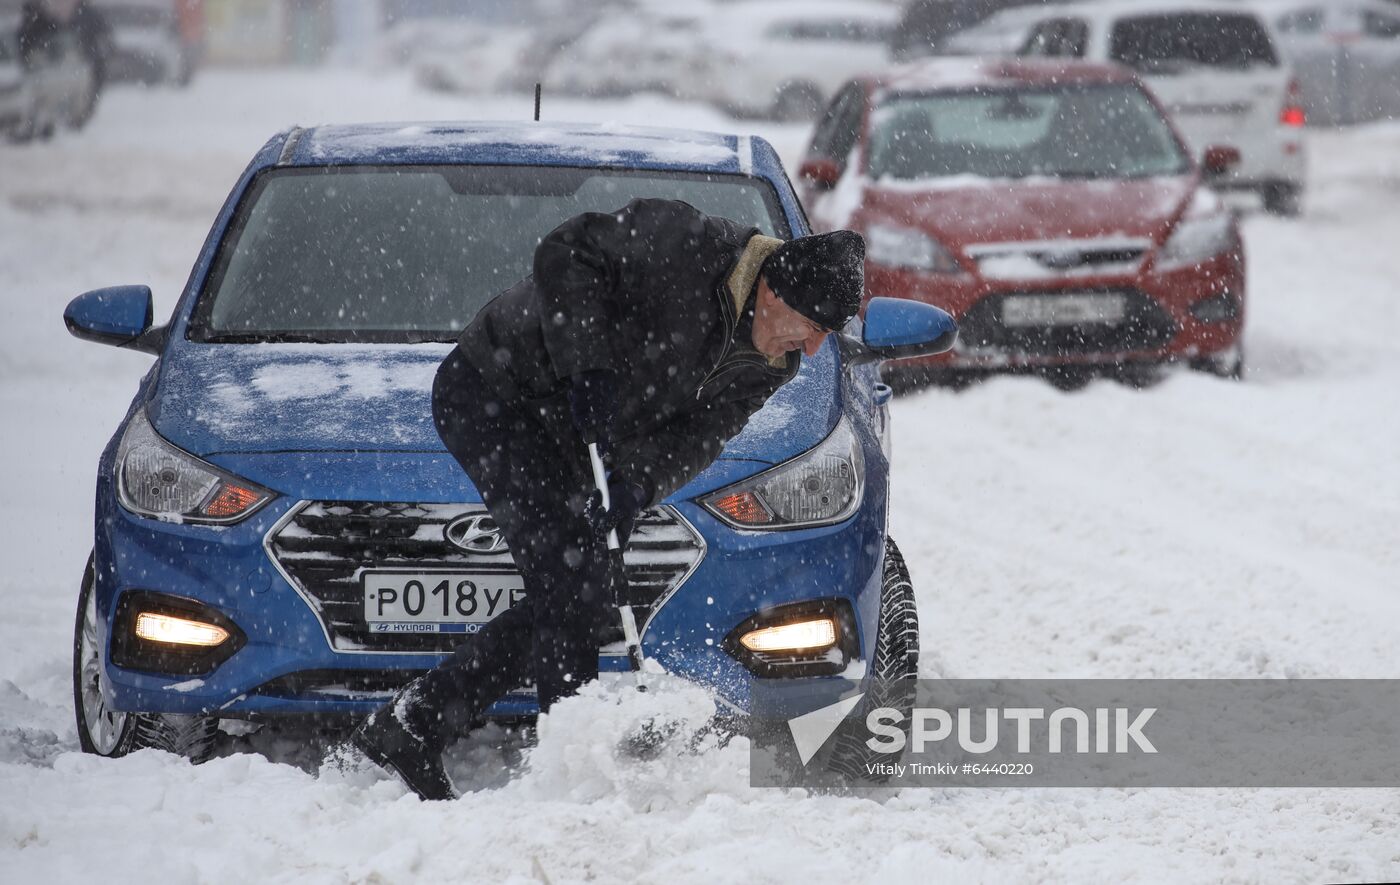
(411,253)
(1163,44)
(1082,131)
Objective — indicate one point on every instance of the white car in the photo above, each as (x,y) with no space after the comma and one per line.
(17,97)
(634,50)
(1214,65)
(1002,34)
(785,59)
(146,44)
(470,58)
(1346,54)
(56,85)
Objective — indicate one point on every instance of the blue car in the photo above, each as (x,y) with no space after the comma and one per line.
(280,532)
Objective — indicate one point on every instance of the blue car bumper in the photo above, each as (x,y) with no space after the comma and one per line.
(289,664)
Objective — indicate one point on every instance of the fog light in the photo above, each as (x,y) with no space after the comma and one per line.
(1217,308)
(171,635)
(178,631)
(812,635)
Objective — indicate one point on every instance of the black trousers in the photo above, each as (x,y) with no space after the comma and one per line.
(534,484)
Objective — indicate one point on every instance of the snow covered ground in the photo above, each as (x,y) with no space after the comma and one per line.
(1201,528)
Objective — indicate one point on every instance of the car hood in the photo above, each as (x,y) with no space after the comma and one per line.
(214,399)
(963,212)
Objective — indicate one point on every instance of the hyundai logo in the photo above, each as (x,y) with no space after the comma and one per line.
(475,533)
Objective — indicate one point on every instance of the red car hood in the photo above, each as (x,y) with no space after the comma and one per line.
(962,214)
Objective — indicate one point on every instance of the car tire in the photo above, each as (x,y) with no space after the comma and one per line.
(894,669)
(1283,198)
(184,71)
(80,113)
(106,732)
(909,381)
(1068,378)
(24,131)
(897,642)
(1140,375)
(1227,364)
(796,102)
(904,381)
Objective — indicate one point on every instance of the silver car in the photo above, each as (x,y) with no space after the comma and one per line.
(1345,53)
(54,85)
(16,90)
(1215,66)
(146,44)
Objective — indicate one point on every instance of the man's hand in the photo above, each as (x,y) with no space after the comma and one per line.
(626,498)
(593,402)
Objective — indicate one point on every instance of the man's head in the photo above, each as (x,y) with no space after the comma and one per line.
(808,288)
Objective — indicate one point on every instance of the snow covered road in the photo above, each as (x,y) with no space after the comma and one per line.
(1200,528)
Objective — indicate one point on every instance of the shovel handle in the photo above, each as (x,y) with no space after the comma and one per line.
(630,636)
(600,480)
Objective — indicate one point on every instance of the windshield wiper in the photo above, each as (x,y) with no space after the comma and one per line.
(265,338)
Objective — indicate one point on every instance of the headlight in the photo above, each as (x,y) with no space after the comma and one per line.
(905,247)
(820,487)
(156,479)
(1196,239)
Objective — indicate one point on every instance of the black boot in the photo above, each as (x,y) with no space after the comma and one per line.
(387,742)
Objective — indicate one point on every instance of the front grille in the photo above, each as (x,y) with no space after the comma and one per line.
(355,685)
(1145,326)
(323,546)
(340,684)
(1018,260)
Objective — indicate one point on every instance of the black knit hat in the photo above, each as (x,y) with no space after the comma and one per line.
(821,277)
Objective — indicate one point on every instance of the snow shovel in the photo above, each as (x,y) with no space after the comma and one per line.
(618,574)
(653,734)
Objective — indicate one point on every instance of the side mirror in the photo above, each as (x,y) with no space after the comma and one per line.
(1219,159)
(118,315)
(821,173)
(896,328)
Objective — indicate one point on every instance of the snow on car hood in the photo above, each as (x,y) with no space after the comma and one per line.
(248,398)
(965,210)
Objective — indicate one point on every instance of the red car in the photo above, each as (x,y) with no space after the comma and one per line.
(1049,206)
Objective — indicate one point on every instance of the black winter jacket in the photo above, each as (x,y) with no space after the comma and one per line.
(661,294)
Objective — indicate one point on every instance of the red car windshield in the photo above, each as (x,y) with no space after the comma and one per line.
(1073,131)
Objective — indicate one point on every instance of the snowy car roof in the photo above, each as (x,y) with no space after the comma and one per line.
(1276,7)
(1111,10)
(523,143)
(757,13)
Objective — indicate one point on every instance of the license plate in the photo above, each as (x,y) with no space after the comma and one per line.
(437,602)
(1075,309)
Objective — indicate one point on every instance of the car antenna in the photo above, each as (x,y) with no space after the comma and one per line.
(537,102)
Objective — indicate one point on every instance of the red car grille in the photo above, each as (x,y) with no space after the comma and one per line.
(1145,326)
